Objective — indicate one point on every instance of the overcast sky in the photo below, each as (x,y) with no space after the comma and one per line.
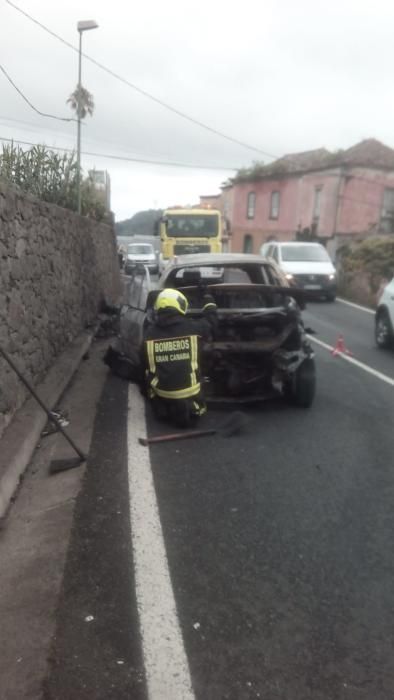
(280,75)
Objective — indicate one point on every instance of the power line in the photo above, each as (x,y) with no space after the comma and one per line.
(289,159)
(166,106)
(158,101)
(158,162)
(43,114)
(366,202)
(34,127)
(130,159)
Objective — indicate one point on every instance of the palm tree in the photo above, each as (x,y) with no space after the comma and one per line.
(82,102)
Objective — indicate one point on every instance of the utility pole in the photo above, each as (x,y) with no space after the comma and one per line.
(79,125)
(82,26)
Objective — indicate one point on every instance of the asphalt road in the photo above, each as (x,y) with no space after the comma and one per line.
(257,566)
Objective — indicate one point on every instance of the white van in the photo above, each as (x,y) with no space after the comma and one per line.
(141,254)
(306,265)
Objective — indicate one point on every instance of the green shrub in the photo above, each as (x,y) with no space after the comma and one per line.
(49,176)
(371,261)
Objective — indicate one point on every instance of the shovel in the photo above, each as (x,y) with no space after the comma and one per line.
(59,464)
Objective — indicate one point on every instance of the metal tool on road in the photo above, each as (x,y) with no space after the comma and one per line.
(234,425)
(59,464)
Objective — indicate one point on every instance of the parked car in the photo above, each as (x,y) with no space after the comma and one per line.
(260,348)
(384,318)
(141,254)
(307,265)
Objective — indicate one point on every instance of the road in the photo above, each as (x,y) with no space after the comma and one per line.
(257,566)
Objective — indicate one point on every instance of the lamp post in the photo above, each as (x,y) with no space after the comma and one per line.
(82,26)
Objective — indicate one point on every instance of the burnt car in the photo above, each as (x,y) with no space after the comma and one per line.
(260,348)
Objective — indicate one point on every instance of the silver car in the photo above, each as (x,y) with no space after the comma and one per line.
(260,347)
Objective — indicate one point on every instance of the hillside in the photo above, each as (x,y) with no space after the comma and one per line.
(141,224)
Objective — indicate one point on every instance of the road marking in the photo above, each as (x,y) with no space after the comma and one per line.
(356,306)
(166,665)
(353,361)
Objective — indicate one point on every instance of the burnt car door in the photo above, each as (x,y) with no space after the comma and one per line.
(133,312)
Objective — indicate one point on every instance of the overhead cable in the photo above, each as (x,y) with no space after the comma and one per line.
(38,111)
(148,95)
(141,91)
(192,166)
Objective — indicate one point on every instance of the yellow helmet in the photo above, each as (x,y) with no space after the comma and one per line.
(171,299)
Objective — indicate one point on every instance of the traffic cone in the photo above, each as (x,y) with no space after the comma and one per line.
(340,348)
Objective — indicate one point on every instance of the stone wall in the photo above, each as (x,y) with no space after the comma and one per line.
(56,268)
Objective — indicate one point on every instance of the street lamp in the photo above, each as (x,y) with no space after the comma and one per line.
(82,26)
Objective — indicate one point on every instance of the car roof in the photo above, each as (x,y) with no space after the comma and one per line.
(300,243)
(145,243)
(215,259)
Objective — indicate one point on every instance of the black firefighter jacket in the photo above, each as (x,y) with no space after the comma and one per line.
(171,354)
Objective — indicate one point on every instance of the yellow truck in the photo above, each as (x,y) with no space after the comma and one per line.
(185,231)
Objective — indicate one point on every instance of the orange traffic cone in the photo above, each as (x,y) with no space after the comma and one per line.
(340,348)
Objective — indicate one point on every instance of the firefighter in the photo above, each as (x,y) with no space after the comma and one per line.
(171,358)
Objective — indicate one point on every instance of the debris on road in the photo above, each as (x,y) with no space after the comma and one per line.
(109,321)
(51,416)
(89,618)
(50,428)
(233,425)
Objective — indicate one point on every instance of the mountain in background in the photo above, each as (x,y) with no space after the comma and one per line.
(141,224)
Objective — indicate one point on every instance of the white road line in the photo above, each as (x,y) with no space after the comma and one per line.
(353,361)
(356,306)
(166,664)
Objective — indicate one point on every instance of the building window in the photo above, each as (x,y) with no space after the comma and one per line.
(317,202)
(251,205)
(275,203)
(387,215)
(316,210)
(248,243)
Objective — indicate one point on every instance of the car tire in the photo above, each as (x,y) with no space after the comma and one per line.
(331,297)
(300,391)
(384,335)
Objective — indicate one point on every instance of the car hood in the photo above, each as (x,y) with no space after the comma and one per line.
(308,268)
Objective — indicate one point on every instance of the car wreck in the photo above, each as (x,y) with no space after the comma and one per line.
(259,348)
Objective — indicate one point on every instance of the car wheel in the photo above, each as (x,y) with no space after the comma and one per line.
(383,330)
(331,297)
(302,387)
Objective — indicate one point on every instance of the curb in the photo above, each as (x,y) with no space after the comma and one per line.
(22,435)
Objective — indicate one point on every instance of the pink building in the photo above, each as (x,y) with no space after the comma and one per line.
(328,194)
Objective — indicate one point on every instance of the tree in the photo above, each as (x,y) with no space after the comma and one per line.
(83,100)
(141,224)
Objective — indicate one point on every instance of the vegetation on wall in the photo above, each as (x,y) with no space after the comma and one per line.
(365,267)
(49,176)
(298,162)
(374,256)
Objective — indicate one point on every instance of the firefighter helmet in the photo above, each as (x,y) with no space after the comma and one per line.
(171,299)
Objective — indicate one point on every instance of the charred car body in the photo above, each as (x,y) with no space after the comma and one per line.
(259,347)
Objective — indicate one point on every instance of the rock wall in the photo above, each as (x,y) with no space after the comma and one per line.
(56,268)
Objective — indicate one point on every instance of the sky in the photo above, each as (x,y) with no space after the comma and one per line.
(280,76)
